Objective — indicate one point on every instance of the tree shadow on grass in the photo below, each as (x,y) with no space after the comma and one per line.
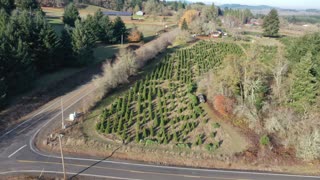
(94,164)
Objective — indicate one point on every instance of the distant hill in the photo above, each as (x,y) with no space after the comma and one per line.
(240,6)
(313,10)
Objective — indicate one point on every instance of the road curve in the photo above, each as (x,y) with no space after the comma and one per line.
(19,155)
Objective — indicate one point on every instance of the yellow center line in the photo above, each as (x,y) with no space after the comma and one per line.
(131,171)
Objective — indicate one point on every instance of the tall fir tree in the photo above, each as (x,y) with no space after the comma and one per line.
(3,90)
(271,24)
(19,69)
(98,29)
(28,4)
(3,83)
(70,15)
(66,44)
(91,27)
(82,44)
(4,20)
(102,26)
(107,29)
(119,30)
(47,45)
(120,4)
(184,25)
(305,85)
(7,5)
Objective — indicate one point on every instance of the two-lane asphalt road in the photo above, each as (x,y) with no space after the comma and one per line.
(18,154)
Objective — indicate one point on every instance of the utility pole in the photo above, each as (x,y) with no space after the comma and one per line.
(121,39)
(62,158)
(62,120)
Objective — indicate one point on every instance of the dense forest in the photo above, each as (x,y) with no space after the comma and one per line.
(121,5)
(30,47)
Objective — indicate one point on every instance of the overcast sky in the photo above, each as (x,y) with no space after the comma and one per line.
(297,4)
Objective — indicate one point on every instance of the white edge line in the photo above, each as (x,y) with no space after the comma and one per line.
(155,166)
(16,151)
(33,137)
(71,173)
(9,131)
(194,169)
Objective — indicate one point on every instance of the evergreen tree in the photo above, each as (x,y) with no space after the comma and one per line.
(181,5)
(105,27)
(175,137)
(137,138)
(165,139)
(82,44)
(66,45)
(28,4)
(7,5)
(120,4)
(271,24)
(102,128)
(4,20)
(91,27)
(151,131)
(107,130)
(70,15)
(120,125)
(136,8)
(305,85)
(145,133)
(156,122)
(3,83)
(199,140)
(119,30)
(17,70)
(162,123)
(46,46)
(184,25)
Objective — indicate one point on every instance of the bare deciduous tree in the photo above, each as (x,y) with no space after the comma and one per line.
(128,62)
(279,68)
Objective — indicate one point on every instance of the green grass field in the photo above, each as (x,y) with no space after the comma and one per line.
(52,78)
(134,16)
(58,12)
(149,31)
(313,19)
(103,52)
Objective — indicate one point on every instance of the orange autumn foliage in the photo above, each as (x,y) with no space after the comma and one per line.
(223,105)
(189,15)
(135,35)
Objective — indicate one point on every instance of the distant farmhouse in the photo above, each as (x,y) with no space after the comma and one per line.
(117,13)
(139,13)
(256,22)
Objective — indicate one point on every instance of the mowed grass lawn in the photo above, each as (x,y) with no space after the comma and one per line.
(52,78)
(58,12)
(149,31)
(149,26)
(103,52)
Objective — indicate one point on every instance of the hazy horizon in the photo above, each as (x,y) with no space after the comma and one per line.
(295,4)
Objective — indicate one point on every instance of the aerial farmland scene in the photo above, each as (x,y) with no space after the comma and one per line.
(159,90)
